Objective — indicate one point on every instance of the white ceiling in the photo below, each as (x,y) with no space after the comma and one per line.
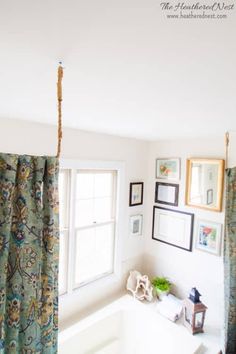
(128,70)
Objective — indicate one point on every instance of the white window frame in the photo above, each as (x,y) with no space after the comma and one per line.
(119,168)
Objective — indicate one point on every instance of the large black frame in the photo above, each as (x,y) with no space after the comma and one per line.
(172,244)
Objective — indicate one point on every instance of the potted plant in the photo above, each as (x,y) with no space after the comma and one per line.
(162,286)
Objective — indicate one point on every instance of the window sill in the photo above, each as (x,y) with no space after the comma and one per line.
(93,286)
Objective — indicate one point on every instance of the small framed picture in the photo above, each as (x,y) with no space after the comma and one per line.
(136,225)
(208,236)
(167,193)
(209,196)
(168,168)
(136,193)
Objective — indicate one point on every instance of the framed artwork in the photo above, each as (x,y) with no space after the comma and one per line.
(173,227)
(204,183)
(208,236)
(209,196)
(136,225)
(168,168)
(136,193)
(167,193)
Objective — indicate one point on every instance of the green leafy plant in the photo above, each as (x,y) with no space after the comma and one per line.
(161,283)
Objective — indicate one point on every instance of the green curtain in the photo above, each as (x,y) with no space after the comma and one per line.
(230,262)
(29,244)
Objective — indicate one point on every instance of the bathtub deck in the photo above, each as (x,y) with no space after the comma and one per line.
(210,339)
(129,327)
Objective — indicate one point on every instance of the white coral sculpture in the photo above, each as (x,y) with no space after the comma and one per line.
(140,286)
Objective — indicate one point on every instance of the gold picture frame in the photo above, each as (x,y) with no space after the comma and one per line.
(204,183)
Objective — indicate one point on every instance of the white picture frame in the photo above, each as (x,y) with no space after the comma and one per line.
(173,227)
(208,237)
(136,225)
(168,169)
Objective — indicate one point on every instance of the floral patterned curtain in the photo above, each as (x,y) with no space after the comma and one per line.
(230,263)
(28,254)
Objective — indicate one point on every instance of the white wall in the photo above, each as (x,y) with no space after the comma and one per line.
(186,269)
(31,138)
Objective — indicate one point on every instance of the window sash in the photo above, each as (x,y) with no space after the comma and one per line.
(79,284)
(63,273)
(71,230)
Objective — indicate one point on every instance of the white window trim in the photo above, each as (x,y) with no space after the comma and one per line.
(119,167)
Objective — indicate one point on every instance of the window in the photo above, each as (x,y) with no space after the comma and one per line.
(64,194)
(87,226)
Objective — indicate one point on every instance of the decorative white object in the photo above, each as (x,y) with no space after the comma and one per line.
(140,286)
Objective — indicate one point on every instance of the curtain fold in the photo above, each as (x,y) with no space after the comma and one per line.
(29,247)
(230,262)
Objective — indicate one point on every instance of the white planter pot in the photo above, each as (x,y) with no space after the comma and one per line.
(161,293)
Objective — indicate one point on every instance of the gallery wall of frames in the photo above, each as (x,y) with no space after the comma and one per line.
(171,225)
(203,189)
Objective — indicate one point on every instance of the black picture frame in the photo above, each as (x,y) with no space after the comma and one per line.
(131,187)
(176,193)
(190,236)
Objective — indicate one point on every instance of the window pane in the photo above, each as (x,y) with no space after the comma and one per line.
(63,262)
(89,211)
(102,209)
(103,184)
(61,184)
(94,252)
(84,212)
(63,198)
(94,197)
(62,214)
(85,185)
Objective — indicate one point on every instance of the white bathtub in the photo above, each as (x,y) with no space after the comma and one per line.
(127,326)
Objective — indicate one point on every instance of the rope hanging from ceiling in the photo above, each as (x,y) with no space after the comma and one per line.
(59,106)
